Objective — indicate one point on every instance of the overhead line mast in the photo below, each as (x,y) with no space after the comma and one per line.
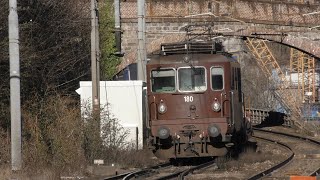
(15,102)
(141,61)
(95,56)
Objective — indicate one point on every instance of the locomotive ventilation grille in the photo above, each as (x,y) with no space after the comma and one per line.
(209,47)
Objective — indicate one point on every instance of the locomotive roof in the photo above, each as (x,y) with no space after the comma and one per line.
(181,58)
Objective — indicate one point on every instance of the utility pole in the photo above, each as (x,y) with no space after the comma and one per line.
(141,61)
(15,104)
(95,54)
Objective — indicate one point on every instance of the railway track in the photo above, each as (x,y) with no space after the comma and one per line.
(261,174)
(283,167)
(295,147)
(133,174)
(182,174)
(299,146)
(156,172)
(277,166)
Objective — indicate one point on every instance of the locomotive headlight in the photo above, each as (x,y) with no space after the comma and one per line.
(216,106)
(213,130)
(162,108)
(163,132)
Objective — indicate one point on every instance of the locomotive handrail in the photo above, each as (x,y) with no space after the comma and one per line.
(231,107)
(222,103)
(243,106)
(148,114)
(155,109)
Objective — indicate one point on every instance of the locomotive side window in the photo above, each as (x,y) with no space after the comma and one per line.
(192,79)
(163,80)
(217,78)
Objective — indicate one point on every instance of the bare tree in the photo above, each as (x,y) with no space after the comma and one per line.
(54,48)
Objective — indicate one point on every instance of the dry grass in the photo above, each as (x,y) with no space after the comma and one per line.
(53,135)
(43,174)
(4,148)
(57,140)
(5,172)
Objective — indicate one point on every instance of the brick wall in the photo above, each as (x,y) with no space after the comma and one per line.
(165,20)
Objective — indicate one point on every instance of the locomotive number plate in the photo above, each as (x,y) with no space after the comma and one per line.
(188,98)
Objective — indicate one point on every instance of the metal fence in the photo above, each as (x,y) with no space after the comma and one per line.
(257,116)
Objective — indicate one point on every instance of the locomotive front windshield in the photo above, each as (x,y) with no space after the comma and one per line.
(192,79)
(163,80)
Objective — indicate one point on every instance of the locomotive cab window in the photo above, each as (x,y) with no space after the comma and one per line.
(192,79)
(217,78)
(163,80)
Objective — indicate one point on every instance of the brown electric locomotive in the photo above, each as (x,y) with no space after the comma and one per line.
(195,103)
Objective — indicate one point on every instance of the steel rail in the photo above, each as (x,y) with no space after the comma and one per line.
(273,168)
(201,166)
(316,172)
(120,176)
(182,174)
(129,175)
(170,176)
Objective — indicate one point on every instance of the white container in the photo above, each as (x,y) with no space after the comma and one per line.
(124,100)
